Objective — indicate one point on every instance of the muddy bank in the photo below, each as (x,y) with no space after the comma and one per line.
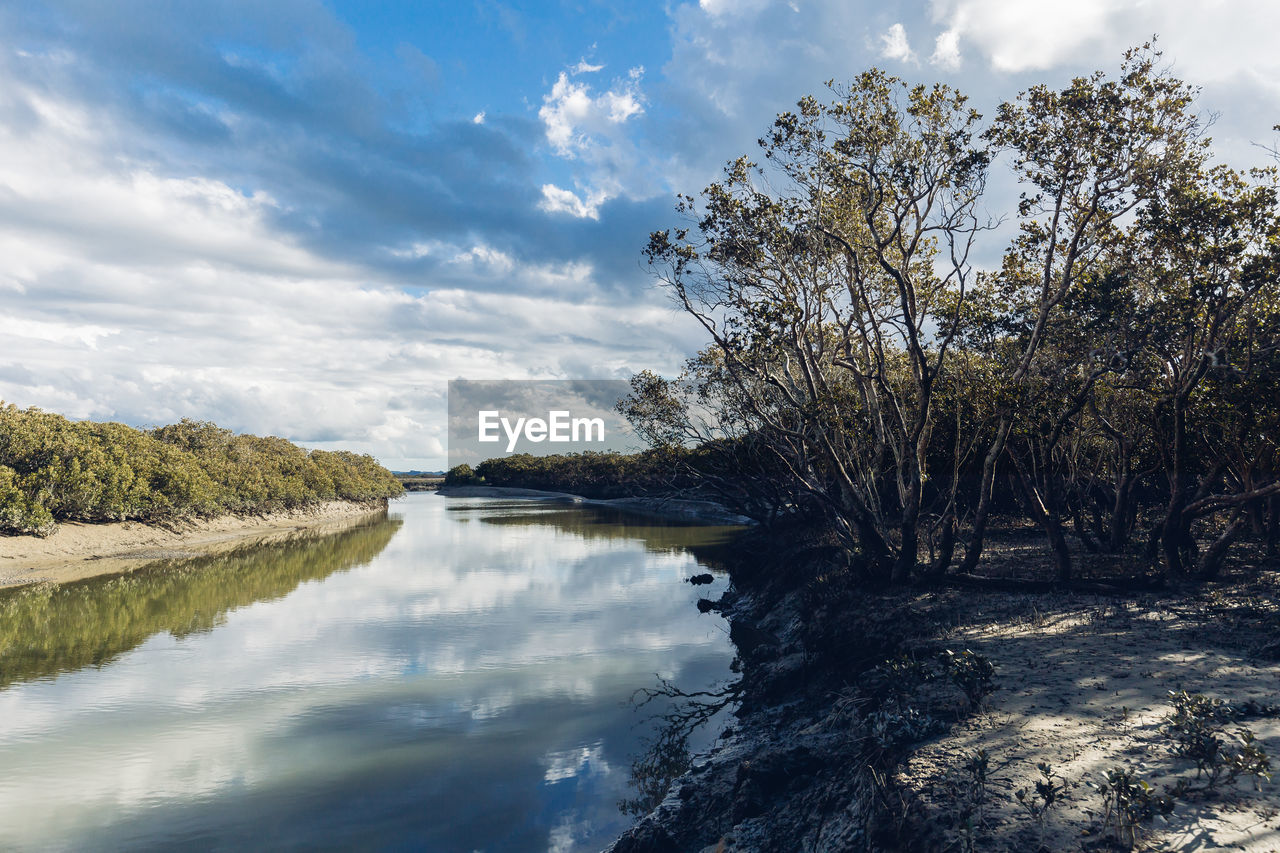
(75,551)
(675,509)
(864,717)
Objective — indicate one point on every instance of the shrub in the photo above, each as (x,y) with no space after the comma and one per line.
(1196,727)
(53,469)
(1129,802)
(971,672)
(462,475)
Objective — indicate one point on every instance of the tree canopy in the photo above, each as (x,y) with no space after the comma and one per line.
(1118,369)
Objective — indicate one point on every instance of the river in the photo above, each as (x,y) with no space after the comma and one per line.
(452,678)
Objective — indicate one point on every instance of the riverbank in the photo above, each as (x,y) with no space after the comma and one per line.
(865,721)
(670,509)
(76,551)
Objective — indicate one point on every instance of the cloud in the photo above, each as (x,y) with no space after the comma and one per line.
(1021,36)
(1208,39)
(592,130)
(736,8)
(233,212)
(946,51)
(894,44)
(557,200)
(576,119)
(134,292)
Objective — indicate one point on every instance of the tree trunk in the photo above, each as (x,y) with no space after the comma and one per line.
(1273,525)
(1048,519)
(946,547)
(1176,534)
(1082,530)
(973,551)
(1121,511)
(908,553)
(906,562)
(1211,565)
(875,549)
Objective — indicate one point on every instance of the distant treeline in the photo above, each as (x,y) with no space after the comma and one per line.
(728,471)
(53,469)
(592,475)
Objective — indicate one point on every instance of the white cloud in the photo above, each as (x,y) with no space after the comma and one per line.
(735,8)
(485,259)
(574,116)
(478,118)
(946,51)
(557,200)
(1022,36)
(1210,40)
(131,294)
(592,129)
(584,67)
(894,44)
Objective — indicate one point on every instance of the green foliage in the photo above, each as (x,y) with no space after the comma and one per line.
(54,469)
(899,677)
(971,672)
(1120,368)
(894,727)
(1197,728)
(1128,803)
(462,475)
(1047,794)
(590,474)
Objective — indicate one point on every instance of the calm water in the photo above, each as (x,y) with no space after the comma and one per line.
(452,678)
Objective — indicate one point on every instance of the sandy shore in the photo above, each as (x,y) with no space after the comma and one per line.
(1086,688)
(77,551)
(828,749)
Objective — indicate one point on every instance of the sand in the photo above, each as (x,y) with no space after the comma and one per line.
(76,551)
(1086,689)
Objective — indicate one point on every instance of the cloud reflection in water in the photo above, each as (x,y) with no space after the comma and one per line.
(464,688)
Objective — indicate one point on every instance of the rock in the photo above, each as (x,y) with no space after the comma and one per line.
(698,580)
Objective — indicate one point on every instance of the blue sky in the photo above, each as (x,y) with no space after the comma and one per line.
(303,218)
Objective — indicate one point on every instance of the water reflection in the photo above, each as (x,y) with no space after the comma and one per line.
(463,690)
(47,629)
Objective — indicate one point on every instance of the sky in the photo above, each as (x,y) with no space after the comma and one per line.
(303,218)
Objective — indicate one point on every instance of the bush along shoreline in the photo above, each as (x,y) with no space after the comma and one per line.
(53,469)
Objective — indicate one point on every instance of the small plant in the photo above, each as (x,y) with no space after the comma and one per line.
(1047,794)
(971,801)
(1248,759)
(893,726)
(1196,727)
(900,676)
(971,672)
(978,767)
(1129,802)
